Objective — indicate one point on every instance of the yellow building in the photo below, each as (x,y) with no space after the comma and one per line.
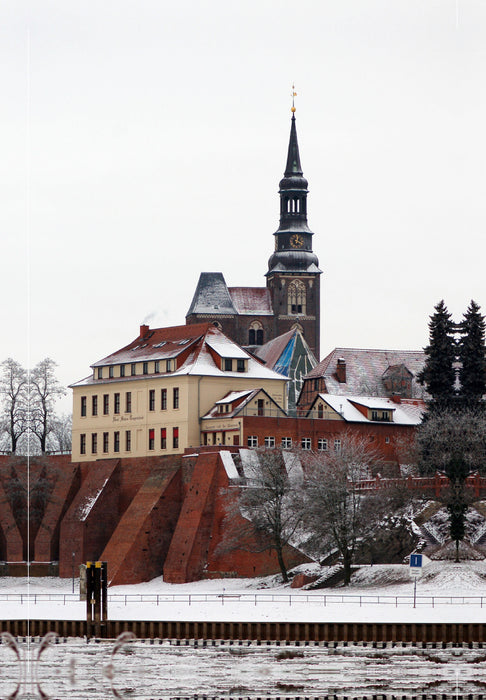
(149,397)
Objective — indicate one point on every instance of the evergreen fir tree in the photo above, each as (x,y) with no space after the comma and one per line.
(472,372)
(438,374)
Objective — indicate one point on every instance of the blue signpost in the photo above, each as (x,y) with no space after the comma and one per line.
(415,570)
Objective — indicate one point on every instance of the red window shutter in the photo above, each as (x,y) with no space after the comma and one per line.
(151,434)
(163,432)
(176,432)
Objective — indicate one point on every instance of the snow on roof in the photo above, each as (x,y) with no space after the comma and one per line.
(365,370)
(229,465)
(253,301)
(234,396)
(226,347)
(199,360)
(211,296)
(293,467)
(157,343)
(250,463)
(404,414)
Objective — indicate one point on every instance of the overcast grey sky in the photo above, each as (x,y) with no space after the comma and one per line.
(143,142)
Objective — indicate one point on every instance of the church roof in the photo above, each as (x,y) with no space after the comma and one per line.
(251,301)
(365,370)
(211,296)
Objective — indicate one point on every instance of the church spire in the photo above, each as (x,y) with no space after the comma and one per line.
(293,166)
(293,239)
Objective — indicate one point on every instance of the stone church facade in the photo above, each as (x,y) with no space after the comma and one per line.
(253,316)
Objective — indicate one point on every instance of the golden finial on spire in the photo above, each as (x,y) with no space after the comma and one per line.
(294,95)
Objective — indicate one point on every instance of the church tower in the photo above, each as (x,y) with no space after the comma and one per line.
(293,276)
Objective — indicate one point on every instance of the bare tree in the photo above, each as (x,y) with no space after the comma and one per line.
(337,512)
(44,389)
(271,500)
(60,434)
(13,389)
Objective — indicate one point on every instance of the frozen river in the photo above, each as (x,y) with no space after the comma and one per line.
(74,668)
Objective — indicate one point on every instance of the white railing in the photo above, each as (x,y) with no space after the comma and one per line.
(227,598)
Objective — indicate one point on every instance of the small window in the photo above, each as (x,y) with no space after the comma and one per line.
(151,437)
(152,400)
(163,438)
(106,404)
(116,441)
(260,407)
(306,443)
(82,443)
(94,405)
(337,445)
(94,443)
(128,402)
(269,442)
(83,406)
(175,438)
(320,411)
(322,445)
(106,442)
(100,372)
(117,403)
(111,372)
(175,397)
(163,399)
(387,441)
(145,367)
(122,370)
(228,364)
(240,365)
(133,369)
(286,443)
(157,366)
(168,365)
(252,441)
(128,440)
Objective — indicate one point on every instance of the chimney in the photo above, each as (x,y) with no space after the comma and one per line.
(341,370)
(144,329)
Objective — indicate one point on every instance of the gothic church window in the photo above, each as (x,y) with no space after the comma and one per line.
(296,299)
(255,333)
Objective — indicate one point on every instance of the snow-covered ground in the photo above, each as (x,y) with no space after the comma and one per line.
(446,592)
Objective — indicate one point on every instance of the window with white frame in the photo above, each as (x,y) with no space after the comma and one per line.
(286,443)
(322,444)
(306,443)
(337,445)
(269,441)
(252,441)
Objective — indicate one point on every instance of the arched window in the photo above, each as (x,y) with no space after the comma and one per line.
(255,333)
(296,298)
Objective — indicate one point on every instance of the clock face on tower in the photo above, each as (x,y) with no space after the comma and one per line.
(296,240)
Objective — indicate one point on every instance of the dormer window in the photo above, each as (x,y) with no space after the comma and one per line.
(169,365)
(111,372)
(240,365)
(228,364)
(100,372)
(380,415)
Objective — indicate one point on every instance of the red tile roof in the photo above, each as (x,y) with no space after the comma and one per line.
(251,300)
(150,345)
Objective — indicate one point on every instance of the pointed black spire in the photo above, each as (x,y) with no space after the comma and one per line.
(293,166)
(293,239)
